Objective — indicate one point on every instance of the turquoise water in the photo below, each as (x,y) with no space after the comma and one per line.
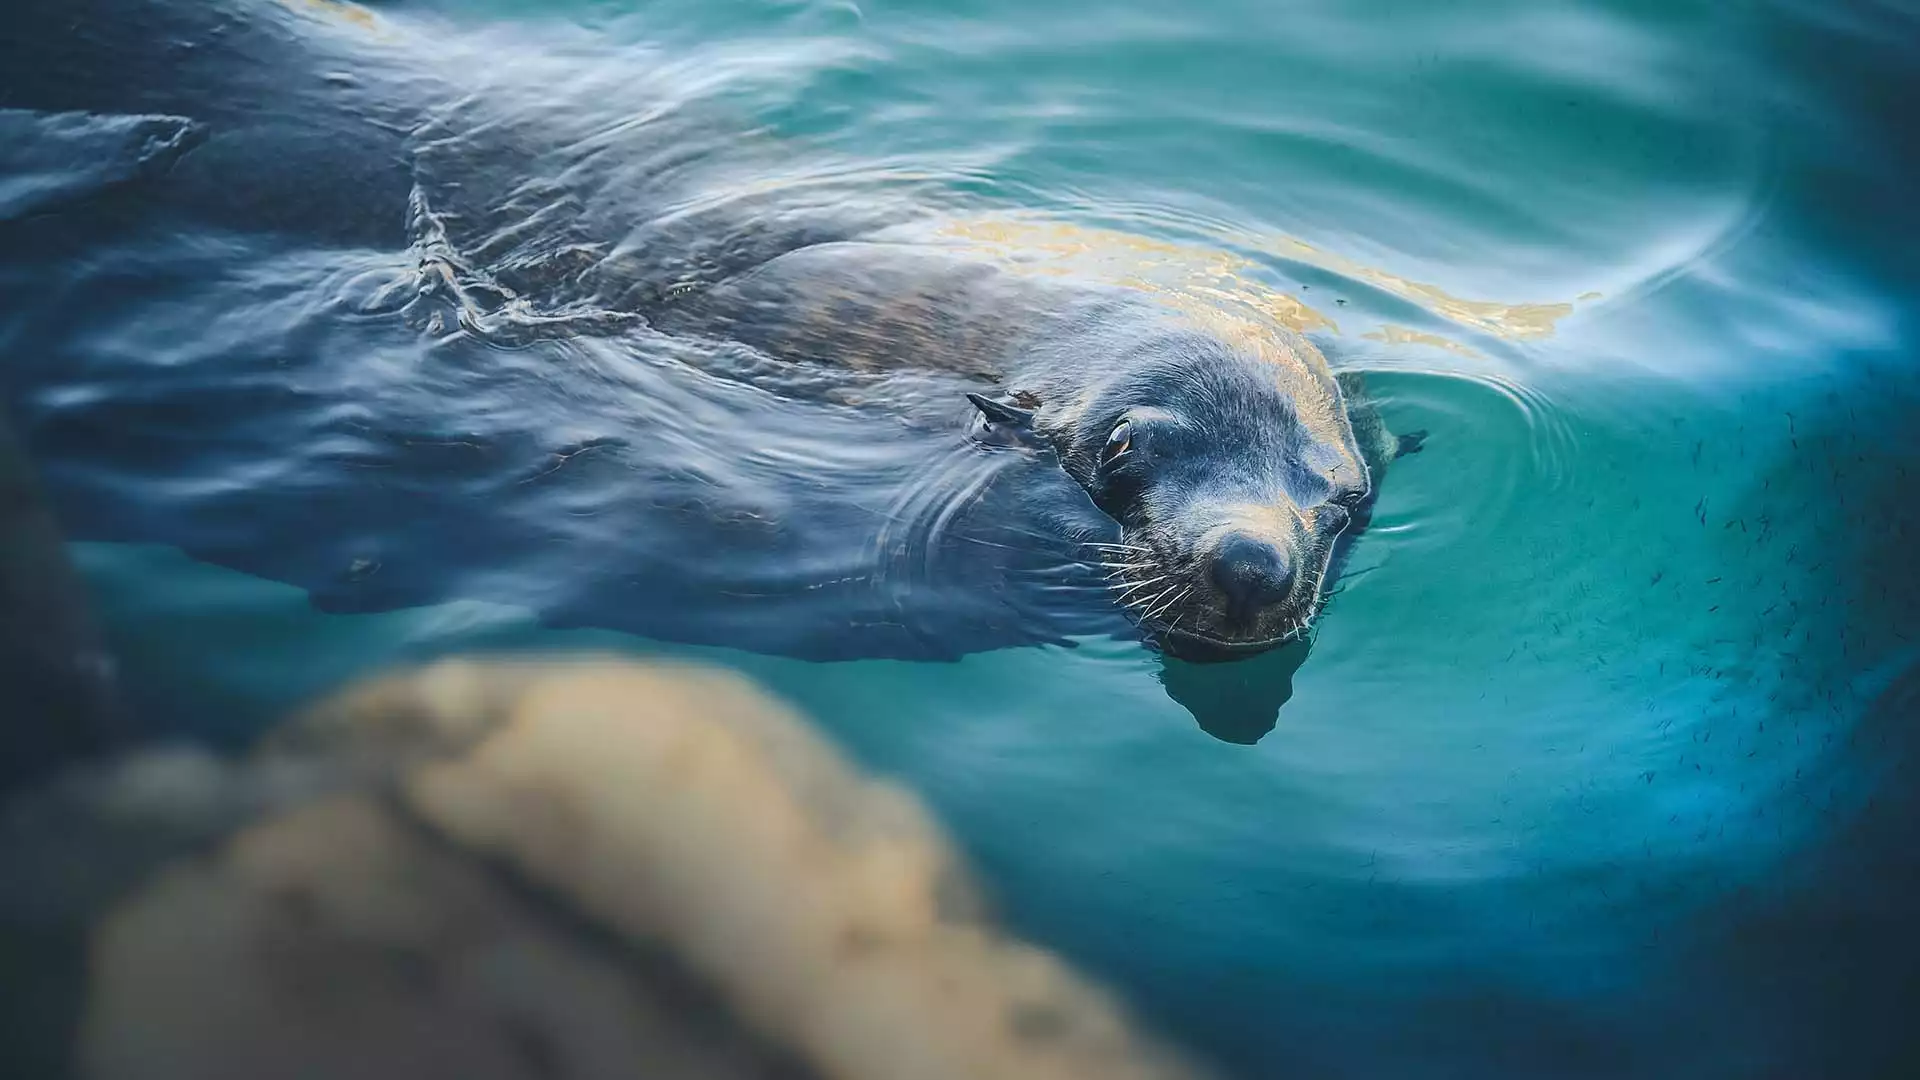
(1599,761)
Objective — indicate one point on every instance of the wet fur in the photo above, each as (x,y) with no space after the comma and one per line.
(812,278)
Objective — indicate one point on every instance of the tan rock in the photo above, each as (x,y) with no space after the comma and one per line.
(589,869)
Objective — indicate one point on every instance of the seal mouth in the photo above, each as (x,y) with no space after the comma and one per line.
(1201,648)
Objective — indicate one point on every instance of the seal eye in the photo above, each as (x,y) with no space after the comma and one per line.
(1117,442)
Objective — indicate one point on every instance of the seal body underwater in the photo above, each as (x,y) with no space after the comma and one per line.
(1213,464)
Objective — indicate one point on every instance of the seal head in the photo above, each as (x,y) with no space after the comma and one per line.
(1227,463)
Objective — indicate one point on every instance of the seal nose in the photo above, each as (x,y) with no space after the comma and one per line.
(1251,573)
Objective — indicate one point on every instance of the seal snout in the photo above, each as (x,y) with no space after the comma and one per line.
(1252,574)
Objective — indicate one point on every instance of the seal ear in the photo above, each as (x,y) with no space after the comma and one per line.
(1006,425)
(1004,415)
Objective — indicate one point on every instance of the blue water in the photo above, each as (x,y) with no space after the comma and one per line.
(1600,762)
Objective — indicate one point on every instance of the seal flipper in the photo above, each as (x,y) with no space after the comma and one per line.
(275,126)
(56,160)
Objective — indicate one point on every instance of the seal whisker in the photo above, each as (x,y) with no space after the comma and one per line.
(1169,605)
(1145,607)
(1138,584)
(1181,599)
(1149,605)
(1162,609)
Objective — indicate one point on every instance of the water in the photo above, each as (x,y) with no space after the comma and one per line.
(1599,763)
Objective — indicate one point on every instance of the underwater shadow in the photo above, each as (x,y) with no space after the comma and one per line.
(1238,702)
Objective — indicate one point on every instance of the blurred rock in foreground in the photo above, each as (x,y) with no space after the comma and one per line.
(584,869)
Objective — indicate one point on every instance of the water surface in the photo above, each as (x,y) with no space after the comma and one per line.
(1597,765)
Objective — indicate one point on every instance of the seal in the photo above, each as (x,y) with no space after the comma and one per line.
(1218,465)
(1228,458)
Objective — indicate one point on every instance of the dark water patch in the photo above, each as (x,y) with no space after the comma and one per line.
(64,701)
